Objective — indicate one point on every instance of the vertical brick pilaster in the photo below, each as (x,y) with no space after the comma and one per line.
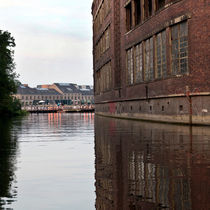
(133,13)
(153,6)
(117,44)
(168,50)
(142,10)
(154,56)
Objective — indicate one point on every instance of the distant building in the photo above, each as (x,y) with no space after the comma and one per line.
(33,96)
(78,94)
(87,94)
(57,93)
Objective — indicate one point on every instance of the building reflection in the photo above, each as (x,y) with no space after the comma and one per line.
(8,153)
(151,166)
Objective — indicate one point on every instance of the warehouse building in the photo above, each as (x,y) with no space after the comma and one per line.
(151,59)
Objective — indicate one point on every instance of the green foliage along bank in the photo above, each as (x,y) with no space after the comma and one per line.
(8,78)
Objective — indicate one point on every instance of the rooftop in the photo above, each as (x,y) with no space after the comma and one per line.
(23,90)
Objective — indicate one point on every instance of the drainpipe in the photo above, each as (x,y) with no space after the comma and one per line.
(189,97)
(119,92)
(146,89)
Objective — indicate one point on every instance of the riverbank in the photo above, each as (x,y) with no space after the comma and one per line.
(58,109)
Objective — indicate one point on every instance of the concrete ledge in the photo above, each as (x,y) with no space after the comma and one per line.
(183,120)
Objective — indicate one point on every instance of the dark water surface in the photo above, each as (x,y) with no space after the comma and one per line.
(52,161)
(143,166)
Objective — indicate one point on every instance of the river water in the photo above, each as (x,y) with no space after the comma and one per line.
(86,162)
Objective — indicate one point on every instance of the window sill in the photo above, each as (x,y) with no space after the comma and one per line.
(159,79)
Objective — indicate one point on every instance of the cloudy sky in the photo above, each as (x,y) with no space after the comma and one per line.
(53,38)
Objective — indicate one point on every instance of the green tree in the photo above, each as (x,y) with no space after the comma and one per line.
(8,77)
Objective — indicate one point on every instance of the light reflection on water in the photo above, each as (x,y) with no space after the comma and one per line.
(151,166)
(48,162)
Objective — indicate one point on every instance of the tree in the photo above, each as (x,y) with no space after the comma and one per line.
(8,77)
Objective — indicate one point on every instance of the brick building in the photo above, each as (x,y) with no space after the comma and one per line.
(151,59)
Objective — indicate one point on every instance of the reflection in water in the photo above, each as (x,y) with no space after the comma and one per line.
(50,164)
(151,166)
(8,151)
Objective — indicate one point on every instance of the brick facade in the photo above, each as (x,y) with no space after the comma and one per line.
(174,12)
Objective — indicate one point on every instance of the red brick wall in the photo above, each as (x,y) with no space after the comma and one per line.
(198,78)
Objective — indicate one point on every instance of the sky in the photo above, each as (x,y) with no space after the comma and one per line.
(53,39)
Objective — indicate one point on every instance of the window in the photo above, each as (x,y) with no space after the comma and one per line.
(148,67)
(130,75)
(138,63)
(147,8)
(150,7)
(128,17)
(161,70)
(103,44)
(179,48)
(107,38)
(103,80)
(136,56)
(160,4)
(137,4)
(102,13)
